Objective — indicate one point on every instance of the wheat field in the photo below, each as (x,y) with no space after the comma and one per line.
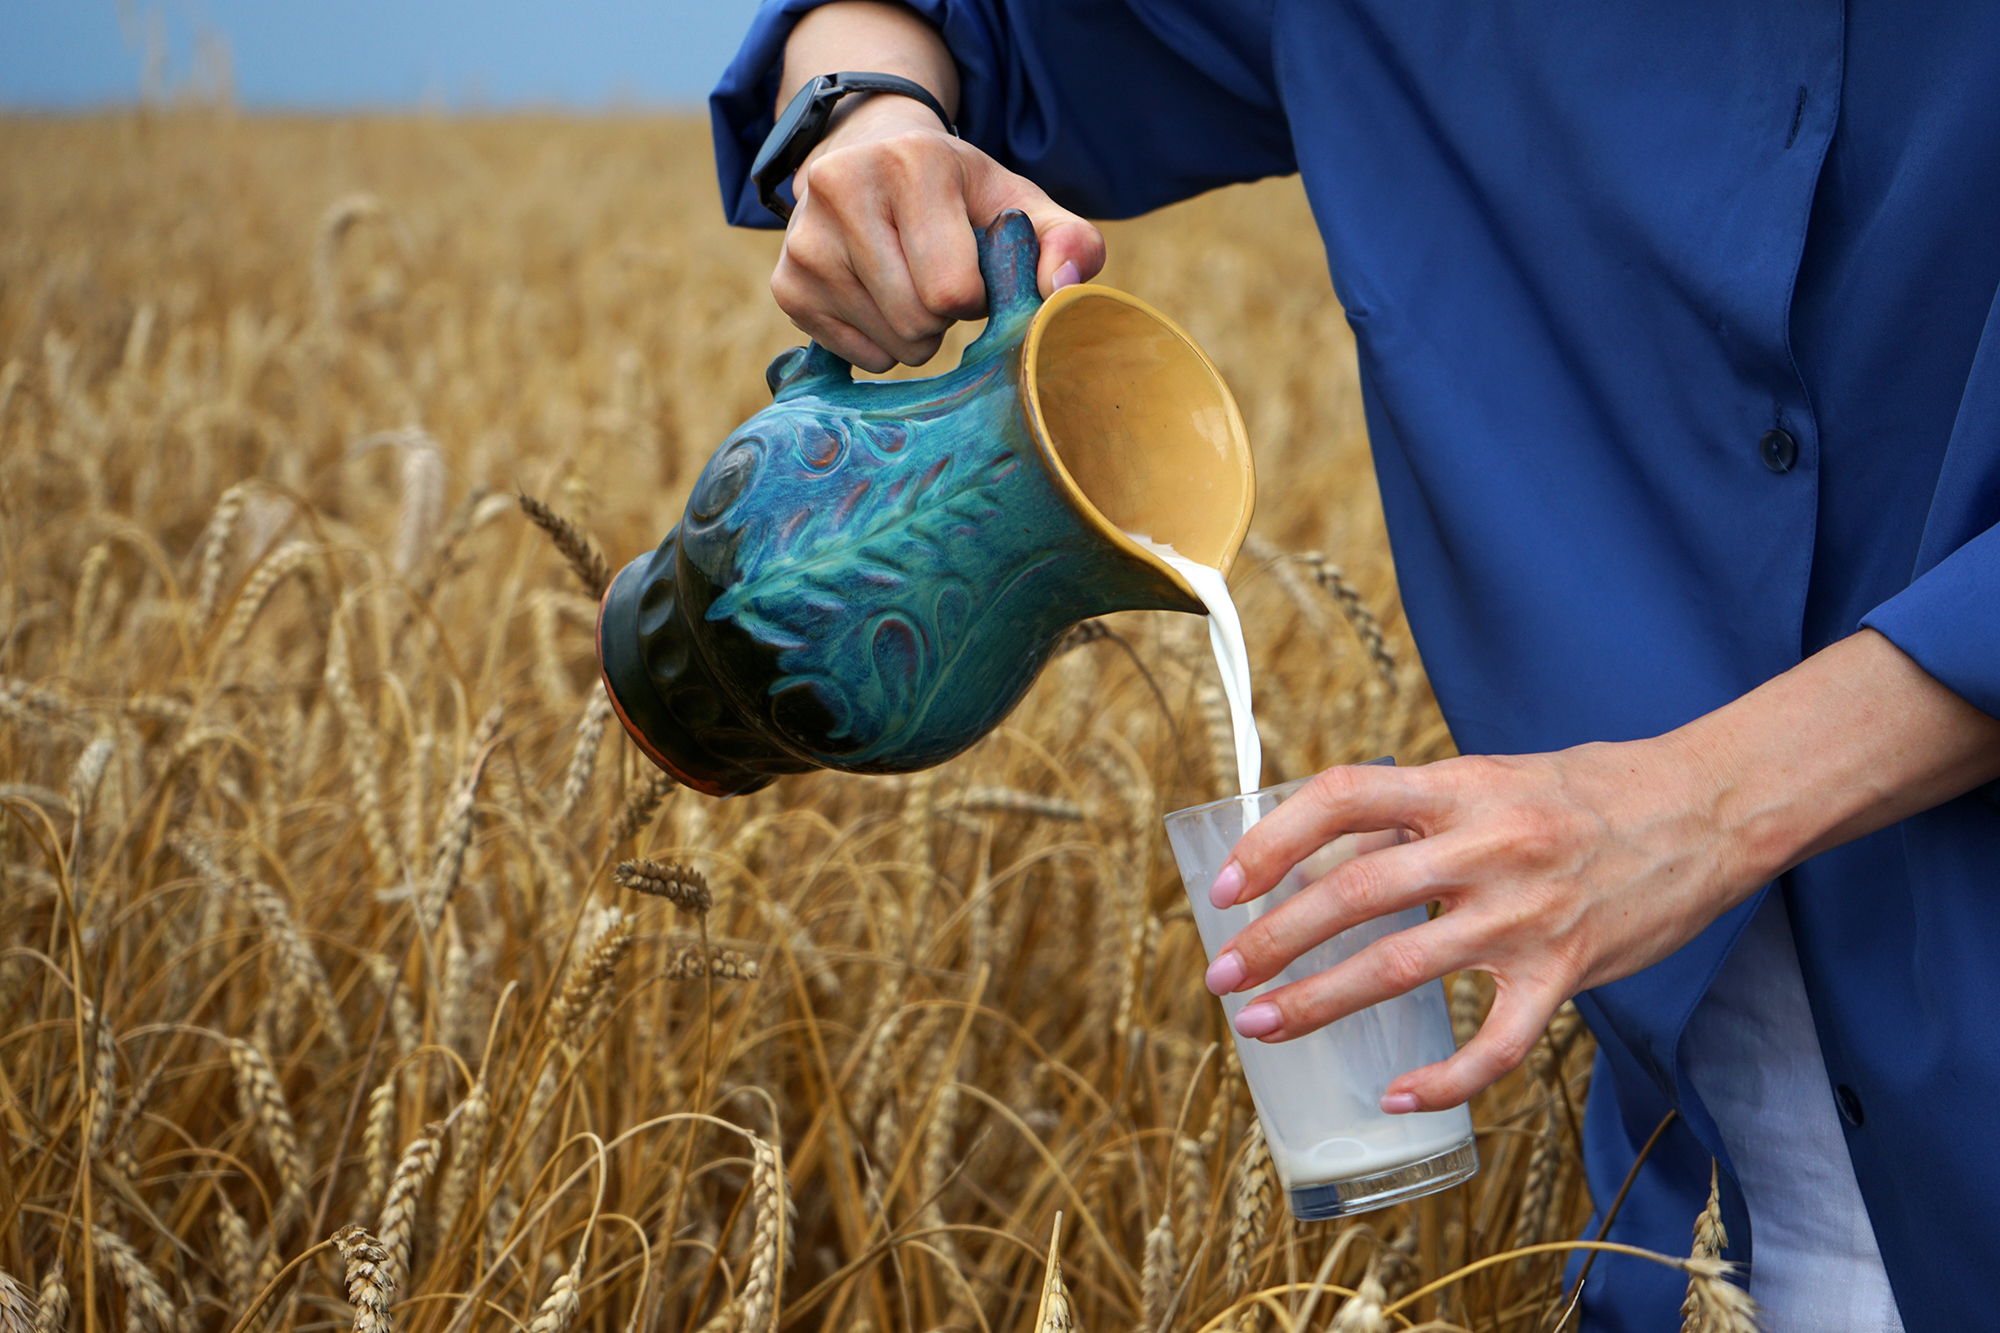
(355,973)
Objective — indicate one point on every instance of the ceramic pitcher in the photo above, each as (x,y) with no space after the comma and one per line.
(869,575)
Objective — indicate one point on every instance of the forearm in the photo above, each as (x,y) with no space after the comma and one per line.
(1851,740)
(880,39)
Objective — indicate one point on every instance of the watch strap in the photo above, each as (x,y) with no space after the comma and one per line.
(804,121)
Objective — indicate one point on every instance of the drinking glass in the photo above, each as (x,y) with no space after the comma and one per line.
(1319,1095)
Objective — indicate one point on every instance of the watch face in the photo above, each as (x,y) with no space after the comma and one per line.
(801,108)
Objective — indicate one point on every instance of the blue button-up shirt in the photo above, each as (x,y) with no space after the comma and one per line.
(1591,255)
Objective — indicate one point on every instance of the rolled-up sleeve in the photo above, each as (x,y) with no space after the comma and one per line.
(1948,619)
(1115,107)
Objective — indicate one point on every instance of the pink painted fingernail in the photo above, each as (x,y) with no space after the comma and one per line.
(1066,276)
(1226,973)
(1227,886)
(1258,1020)
(1399,1103)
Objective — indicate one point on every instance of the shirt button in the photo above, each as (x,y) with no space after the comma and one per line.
(1849,1104)
(1779,449)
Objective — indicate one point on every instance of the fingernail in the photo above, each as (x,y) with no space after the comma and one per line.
(1398,1103)
(1227,886)
(1066,276)
(1226,973)
(1258,1020)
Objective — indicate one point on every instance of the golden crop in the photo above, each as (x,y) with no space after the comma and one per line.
(324,998)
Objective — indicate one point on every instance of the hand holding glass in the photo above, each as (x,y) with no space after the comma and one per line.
(1318,1096)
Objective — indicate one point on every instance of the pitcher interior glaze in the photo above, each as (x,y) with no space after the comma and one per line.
(869,575)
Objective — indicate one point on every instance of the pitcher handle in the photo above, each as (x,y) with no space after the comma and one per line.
(1009,253)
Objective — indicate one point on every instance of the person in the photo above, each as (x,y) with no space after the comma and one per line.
(1681,363)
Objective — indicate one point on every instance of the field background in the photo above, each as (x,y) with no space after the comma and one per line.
(307,905)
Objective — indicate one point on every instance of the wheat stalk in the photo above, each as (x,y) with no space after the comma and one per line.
(264,1102)
(378,1140)
(468,1147)
(398,1225)
(369,1283)
(301,966)
(1055,1314)
(583,760)
(640,804)
(1256,1193)
(1159,1274)
(1710,1239)
(585,560)
(1362,1312)
(455,824)
(294,557)
(575,1010)
(19,1312)
(147,1302)
(364,763)
(1714,1303)
(52,1310)
(214,549)
(238,1251)
(682,885)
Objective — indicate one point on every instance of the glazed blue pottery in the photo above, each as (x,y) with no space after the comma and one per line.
(869,575)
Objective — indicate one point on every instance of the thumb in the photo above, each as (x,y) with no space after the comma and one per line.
(1065,238)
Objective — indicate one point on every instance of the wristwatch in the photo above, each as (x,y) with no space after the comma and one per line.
(802,124)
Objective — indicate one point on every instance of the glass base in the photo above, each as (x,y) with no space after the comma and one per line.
(1412,1180)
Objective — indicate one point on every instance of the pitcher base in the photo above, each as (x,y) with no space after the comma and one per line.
(1412,1180)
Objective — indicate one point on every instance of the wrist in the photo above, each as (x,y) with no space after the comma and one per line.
(866,117)
(1849,741)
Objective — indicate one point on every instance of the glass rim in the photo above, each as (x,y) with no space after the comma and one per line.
(1192,811)
(1286,788)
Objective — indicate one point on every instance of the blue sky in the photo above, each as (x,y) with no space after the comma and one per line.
(341,54)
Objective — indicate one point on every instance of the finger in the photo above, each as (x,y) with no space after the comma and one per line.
(1359,798)
(1502,1042)
(815,286)
(895,316)
(941,253)
(1355,891)
(852,269)
(1394,965)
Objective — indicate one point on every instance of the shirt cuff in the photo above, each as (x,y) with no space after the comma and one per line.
(1948,621)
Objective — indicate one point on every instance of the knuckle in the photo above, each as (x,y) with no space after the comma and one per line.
(1404,963)
(1363,885)
(1507,1048)
(952,291)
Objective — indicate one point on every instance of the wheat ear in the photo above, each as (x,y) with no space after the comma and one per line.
(398,1227)
(146,1299)
(1714,1303)
(1710,1239)
(369,1284)
(263,1100)
(1256,1192)
(52,1311)
(682,885)
(19,1311)
(585,560)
